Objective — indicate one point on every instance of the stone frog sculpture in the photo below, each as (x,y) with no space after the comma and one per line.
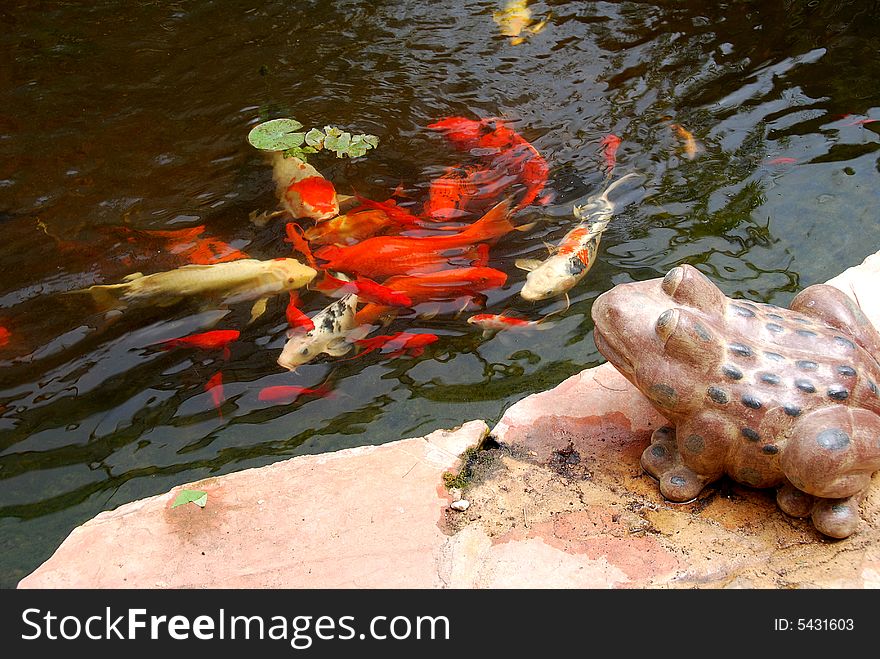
(772,397)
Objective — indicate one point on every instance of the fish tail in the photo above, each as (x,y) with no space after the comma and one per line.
(495,223)
(105,296)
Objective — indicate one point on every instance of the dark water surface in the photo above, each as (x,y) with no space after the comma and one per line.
(135,115)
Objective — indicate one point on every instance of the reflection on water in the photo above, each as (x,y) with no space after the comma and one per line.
(119,122)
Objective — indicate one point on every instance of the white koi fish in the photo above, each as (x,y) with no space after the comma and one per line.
(217,283)
(333,334)
(575,254)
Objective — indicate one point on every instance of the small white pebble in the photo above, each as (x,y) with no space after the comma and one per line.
(260,502)
(461,504)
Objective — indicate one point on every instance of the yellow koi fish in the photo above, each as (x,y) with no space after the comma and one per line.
(690,144)
(515,18)
(221,283)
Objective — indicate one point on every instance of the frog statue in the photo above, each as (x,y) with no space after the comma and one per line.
(772,397)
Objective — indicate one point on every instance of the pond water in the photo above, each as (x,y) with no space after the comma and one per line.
(115,120)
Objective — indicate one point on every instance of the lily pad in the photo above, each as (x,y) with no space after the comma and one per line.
(276,135)
(197,497)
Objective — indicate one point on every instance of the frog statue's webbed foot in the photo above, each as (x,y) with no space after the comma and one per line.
(662,460)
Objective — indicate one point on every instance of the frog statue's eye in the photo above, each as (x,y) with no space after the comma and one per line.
(666,323)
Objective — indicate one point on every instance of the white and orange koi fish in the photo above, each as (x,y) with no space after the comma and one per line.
(576,252)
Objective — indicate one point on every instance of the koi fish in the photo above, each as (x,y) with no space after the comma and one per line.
(350,228)
(212,340)
(296,319)
(5,334)
(491,323)
(462,188)
(610,143)
(397,344)
(367,290)
(289,393)
(515,18)
(576,252)
(296,237)
(506,150)
(214,386)
(332,334)
(384,256)
(782,161)
(449,284)
(223,283)
(390,207)
(691,146)
(302,190)
(185,244)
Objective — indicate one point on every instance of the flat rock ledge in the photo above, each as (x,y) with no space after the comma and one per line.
(555,495)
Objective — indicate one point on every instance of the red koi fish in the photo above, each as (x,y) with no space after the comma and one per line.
(496,322)
(366,289)
(462,189)
(610,143)
(5,334)
(296,319)
(385,256)
(289,393)
(313,197)
(214,386)
(782,161)
(857,122)
(449,284)
(296,237)
(213,340)
(505,148)
(397,344)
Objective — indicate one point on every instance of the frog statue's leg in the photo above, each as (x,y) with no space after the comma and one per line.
(831,454)
(835,308)
(687,458)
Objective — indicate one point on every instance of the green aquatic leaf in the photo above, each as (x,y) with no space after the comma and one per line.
(191,496)
(276,135)
(338,144)
(315,138)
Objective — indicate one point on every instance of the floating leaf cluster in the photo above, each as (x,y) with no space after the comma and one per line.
(286,135)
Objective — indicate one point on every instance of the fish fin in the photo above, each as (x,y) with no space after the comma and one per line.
(262,218)
(526,227)
(541,324)
(337,347)
(105,296)
(540,25)
(258,309)
(133,276)
(527,264)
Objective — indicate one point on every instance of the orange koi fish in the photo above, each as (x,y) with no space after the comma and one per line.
(212,340)
(296,319)
(289,393)
(187,244)
(782,161)
(350,228)
(384,256)
(444,285)
(397,344)
(214,386)
(503,147)
(313,197)
(691,146)
(296,237)
(610,143)
(390,207)
(367,290)
(5,334)
(460,189)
